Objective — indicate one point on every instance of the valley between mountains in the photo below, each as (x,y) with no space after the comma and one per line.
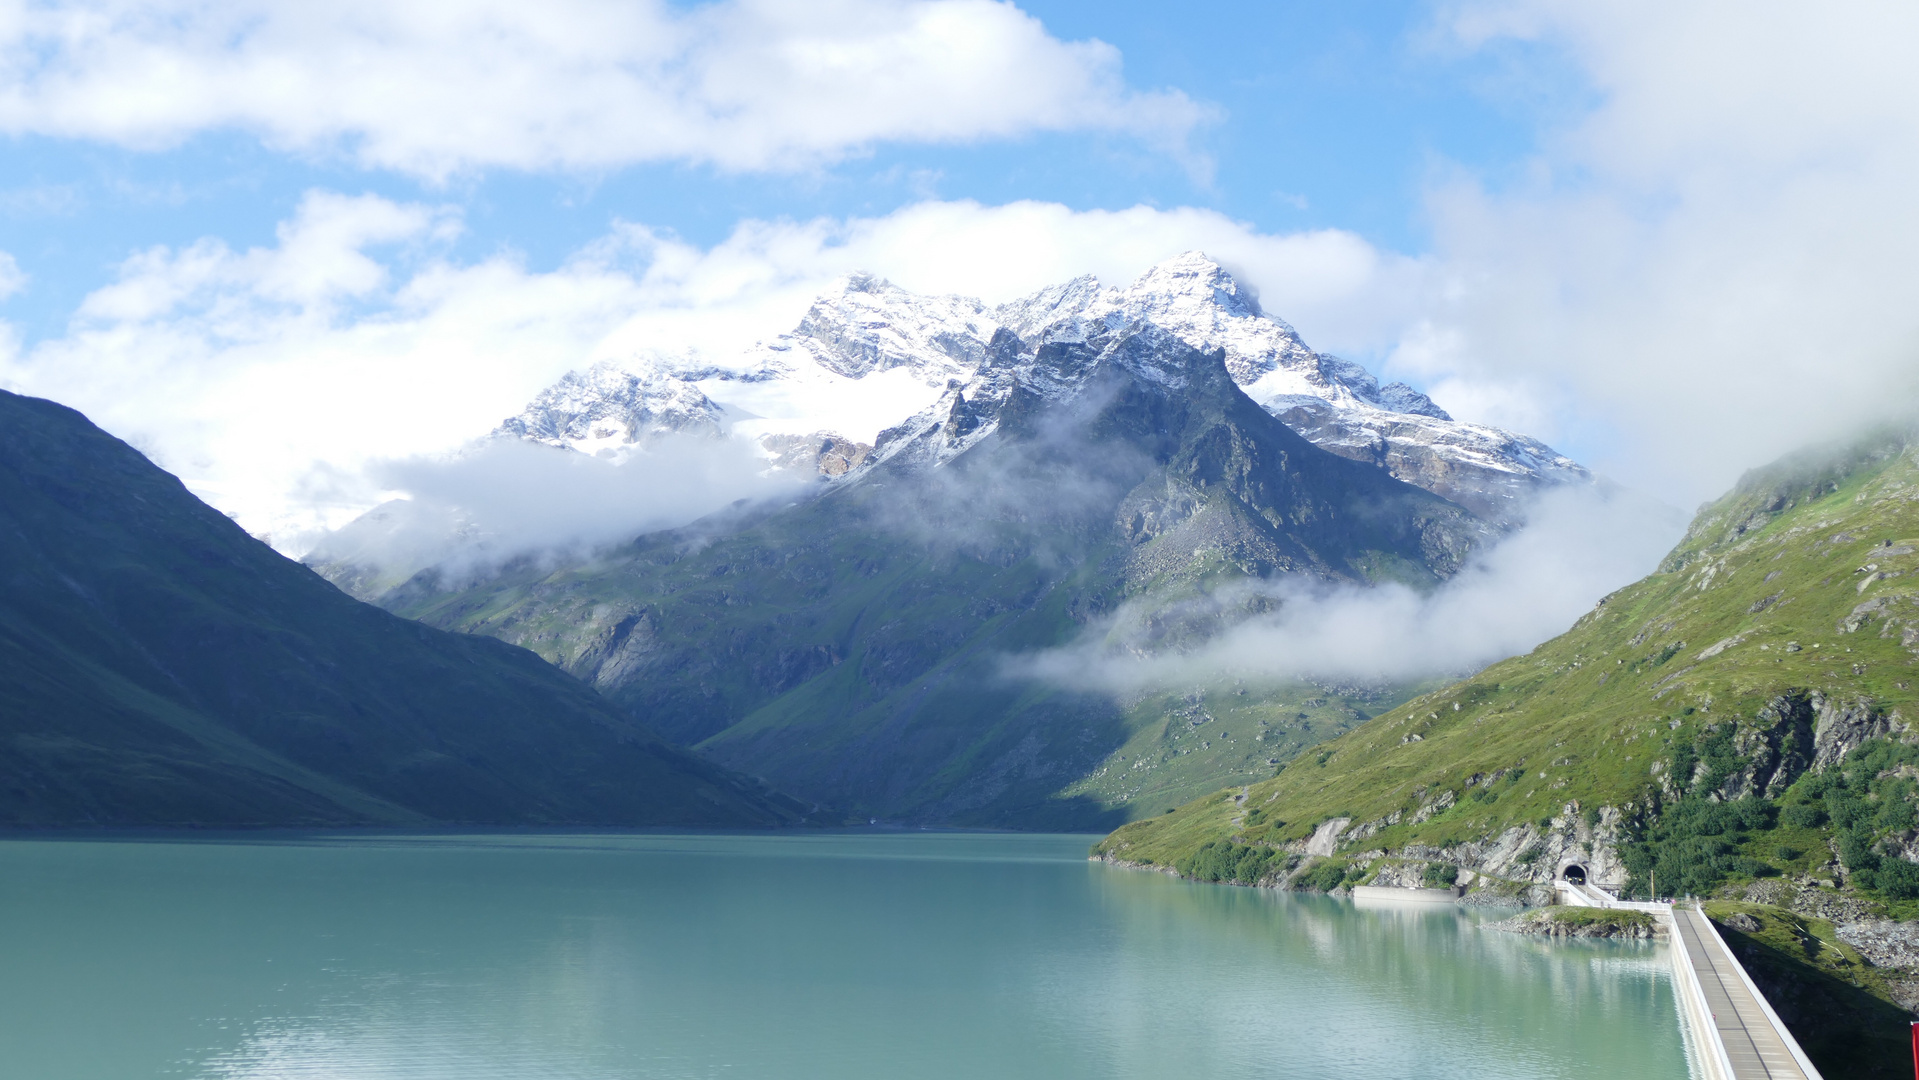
(1123,469)
(967,526)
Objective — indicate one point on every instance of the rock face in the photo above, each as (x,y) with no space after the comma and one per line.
(1843,724)
(1536,853)
(869,355)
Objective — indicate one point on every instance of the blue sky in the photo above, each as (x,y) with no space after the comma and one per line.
(1324,116)
(277,245)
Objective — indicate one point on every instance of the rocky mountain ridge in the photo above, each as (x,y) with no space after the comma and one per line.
(869,356)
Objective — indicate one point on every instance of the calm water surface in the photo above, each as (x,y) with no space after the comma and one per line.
(784,957)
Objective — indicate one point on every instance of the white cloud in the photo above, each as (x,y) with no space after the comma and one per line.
(1715,260)
(1579,544)
(469,512)
(280,381)
(438,88)
(269,378)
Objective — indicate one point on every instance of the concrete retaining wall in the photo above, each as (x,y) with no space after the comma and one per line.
(1408,896)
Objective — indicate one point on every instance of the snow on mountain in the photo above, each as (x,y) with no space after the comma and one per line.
(607,408)
(1197,301)
(869,356)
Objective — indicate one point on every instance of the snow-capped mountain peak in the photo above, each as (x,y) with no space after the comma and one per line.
(866,324)
(869,356)
(608,407)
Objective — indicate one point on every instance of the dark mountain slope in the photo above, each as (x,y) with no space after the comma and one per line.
(850,648)
(160,666)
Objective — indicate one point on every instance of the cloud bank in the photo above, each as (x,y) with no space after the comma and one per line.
(468,513)
(1579,544)
(280,381)
(437,89)
(1710,265)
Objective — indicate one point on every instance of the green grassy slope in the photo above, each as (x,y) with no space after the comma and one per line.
(1687,709)
(1736,724)
(851,649)
(160,667)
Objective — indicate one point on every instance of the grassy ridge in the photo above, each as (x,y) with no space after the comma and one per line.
(1786,606)
(1736,723)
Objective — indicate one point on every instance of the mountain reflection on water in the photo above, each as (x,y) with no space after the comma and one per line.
(837,956)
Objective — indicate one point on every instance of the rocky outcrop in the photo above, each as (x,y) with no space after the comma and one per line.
(1776,747)
(1325,839)
(1807,897)
(1842,724)
(824,453)
(1526,853)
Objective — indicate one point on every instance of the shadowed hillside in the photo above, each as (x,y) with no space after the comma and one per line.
(158,666)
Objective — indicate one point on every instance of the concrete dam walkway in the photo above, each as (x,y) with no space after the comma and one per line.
(1752,1043)
(1738,1036)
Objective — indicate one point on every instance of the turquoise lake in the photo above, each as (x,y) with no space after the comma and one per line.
(794,956)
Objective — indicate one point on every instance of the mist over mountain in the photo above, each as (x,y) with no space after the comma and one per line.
(1737,724)
(868,357)
(849,647)
(995,563)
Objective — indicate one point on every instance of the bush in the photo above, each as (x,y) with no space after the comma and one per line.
(1855,850)
(1844,808)
(1325,877)
(1896,814)
(1223,860)
(1755,814)
(1802,816)
(1898,879)
(1444,875)
(1684,762)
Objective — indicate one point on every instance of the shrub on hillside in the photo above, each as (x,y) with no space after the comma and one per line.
(1223,860)
(1325,877)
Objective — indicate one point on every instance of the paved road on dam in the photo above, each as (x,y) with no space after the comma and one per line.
(1753,1046)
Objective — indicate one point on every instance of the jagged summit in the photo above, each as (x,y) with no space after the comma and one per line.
(866,324)
(1199,302)
(870,356)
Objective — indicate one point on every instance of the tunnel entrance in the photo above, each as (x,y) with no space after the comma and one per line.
(1574,873)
